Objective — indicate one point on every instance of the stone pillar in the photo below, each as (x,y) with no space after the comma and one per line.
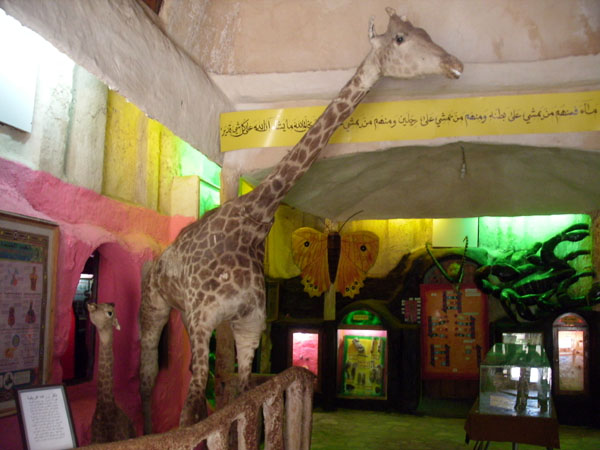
(85,148)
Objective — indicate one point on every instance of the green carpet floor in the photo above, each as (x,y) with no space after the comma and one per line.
(347,429)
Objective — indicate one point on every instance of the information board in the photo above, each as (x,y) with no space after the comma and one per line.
(454,331)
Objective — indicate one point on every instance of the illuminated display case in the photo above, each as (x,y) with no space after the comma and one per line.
(362,356)
(516,379)
(570,335)
(305,352)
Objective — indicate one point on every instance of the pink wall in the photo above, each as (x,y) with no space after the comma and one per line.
(126,236)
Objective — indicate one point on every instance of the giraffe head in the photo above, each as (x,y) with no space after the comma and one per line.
(405,51)
(103,316)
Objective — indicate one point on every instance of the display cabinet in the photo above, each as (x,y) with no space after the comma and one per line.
(516,379)
(362,356)
(570,336)
(306,352)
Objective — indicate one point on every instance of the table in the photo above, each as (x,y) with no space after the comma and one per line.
(511,427)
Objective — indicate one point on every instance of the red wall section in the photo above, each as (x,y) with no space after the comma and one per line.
(126,236)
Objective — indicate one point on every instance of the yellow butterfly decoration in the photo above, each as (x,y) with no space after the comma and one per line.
(343,259)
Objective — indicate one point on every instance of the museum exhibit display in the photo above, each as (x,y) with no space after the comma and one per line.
(571,343)
(28,264)
(454,331)
(306,352)
(362,356)
(514,403)
(515,379)
(298,213)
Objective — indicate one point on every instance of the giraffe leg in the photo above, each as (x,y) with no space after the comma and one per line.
(154,314)
(194,408)
(247,338)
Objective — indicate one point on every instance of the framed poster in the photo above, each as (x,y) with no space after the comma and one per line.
(28,252)
(364,366)
(454,331)
(45,418)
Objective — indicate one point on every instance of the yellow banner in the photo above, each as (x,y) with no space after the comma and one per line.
(419,119)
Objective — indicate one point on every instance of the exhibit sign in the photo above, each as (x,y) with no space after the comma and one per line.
(454,331)
(28,251)
(563,112)
(45,418)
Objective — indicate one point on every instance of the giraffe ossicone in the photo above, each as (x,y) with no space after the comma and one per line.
(189,274)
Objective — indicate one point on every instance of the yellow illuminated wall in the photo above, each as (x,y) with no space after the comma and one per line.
(396,238)
(142,157)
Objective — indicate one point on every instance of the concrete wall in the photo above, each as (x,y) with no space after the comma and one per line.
(92,137)
(275,36)
(67,138)
(120,43)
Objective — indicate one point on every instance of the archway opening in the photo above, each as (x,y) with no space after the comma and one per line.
(78,359)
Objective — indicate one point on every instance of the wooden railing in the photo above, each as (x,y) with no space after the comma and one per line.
(286,404)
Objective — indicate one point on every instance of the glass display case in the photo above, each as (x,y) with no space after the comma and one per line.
(515,379)
(570,335)
(305,352)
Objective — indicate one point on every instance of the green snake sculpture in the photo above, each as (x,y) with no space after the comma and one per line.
(539,284)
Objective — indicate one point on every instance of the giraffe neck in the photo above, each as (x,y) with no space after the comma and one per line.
(266,197)
(105,368)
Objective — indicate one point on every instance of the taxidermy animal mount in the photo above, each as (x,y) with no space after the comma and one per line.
(214,272)
(110,423)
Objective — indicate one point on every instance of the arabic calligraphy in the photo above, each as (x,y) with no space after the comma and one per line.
(439,119)
(427,119)
(244,127)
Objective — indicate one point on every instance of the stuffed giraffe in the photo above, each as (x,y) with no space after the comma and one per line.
(213,271)
(110,423)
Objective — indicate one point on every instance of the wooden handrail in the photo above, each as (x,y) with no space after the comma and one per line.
(286,402)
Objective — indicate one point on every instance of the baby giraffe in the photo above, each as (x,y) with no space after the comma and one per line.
(110,422)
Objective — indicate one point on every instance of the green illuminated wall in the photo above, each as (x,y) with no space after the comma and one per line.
(511,237)
(518,233)
(195,163)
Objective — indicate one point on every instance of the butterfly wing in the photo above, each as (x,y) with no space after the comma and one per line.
(358,253)
(309,251)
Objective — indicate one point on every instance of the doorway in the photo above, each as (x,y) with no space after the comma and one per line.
(78,360)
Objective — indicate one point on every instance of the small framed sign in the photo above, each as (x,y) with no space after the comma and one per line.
(45,418)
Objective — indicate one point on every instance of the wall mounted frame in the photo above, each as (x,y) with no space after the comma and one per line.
(28,260)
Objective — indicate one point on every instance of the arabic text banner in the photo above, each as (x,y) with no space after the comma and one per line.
(419,119)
